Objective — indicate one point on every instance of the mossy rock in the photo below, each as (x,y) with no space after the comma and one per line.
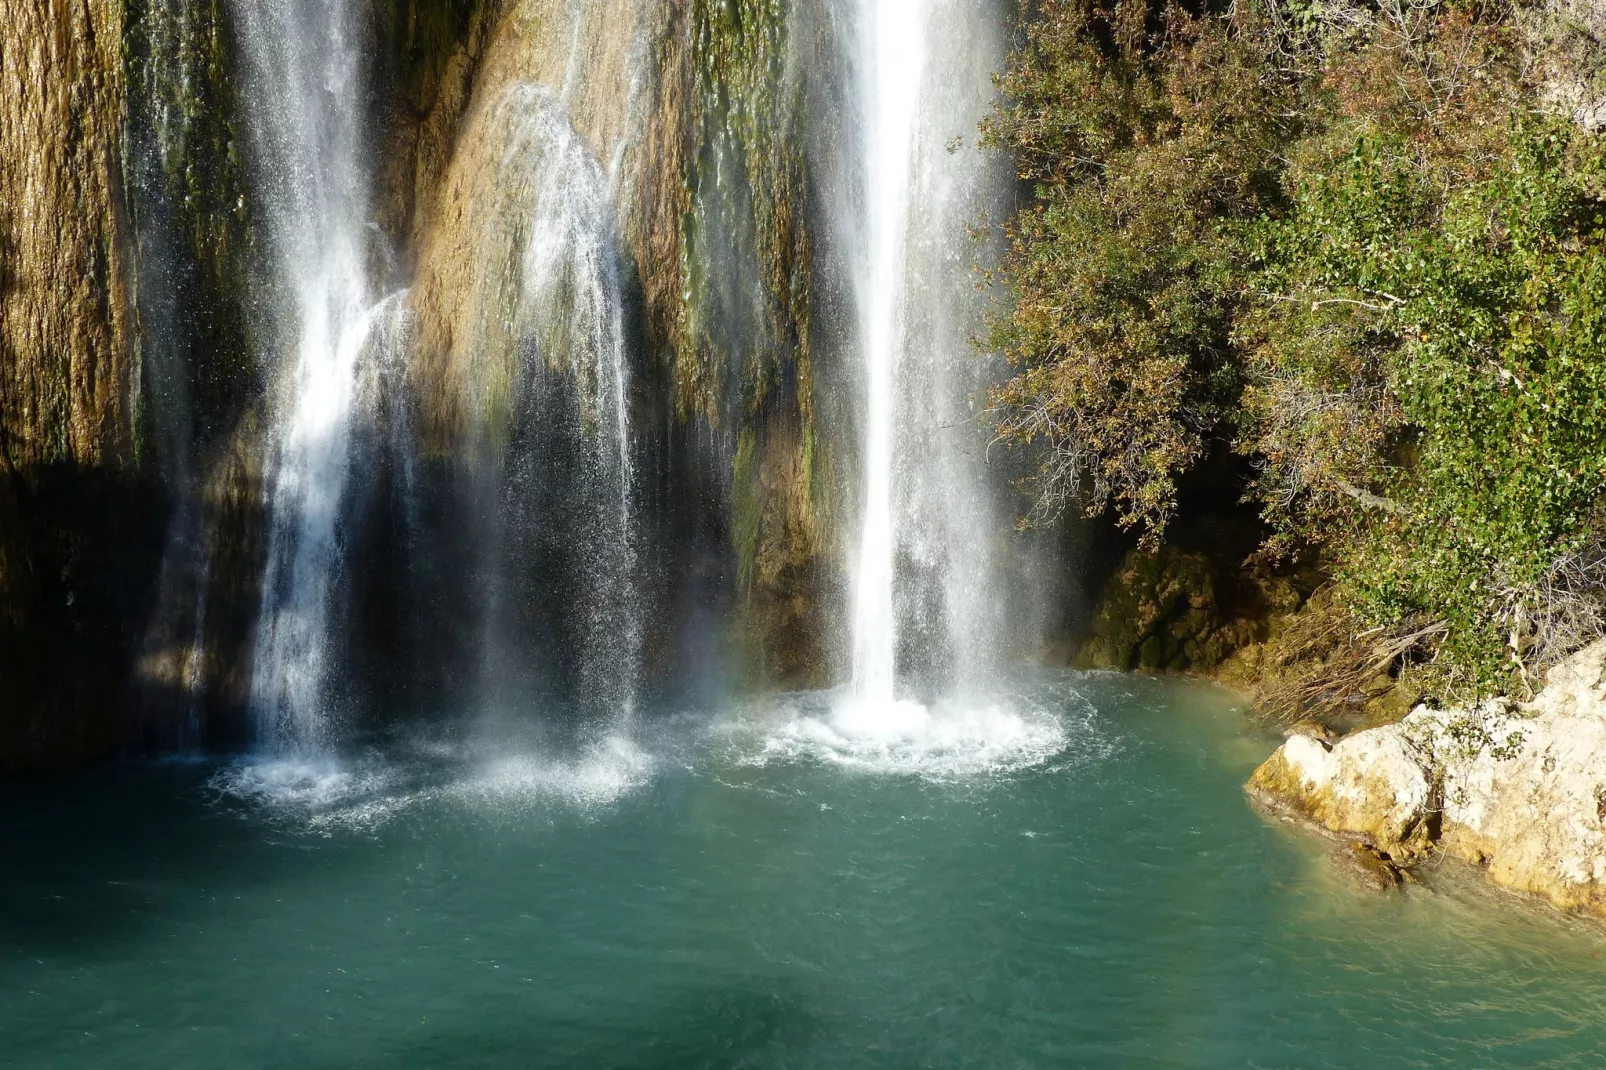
(1163,611)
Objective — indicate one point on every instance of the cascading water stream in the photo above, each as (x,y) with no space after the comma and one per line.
(895,62)
(929,623)
(551,374)
(304,108)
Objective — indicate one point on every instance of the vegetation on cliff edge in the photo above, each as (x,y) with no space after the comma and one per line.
(1346,241)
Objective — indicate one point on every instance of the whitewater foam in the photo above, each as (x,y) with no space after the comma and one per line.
(365,792)
(598,777)
(305,785)
(948,740)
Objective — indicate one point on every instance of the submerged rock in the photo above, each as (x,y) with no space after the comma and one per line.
(1375,869)
(1519,789)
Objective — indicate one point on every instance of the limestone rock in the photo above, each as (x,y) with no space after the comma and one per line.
(1567,62)
(66,364)
(1518,789)
(69,520)
(1374,784)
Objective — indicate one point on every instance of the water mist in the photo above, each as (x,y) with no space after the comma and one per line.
(561,587)
(926,594)
(303,107)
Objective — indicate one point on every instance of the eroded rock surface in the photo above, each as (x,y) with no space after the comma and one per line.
(67,379)
(1520,790)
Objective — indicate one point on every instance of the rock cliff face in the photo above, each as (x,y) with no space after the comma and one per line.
(138,363)
(1519,790)
(473,233)
(666,101)
(131,406)
(134,403)
(70,469)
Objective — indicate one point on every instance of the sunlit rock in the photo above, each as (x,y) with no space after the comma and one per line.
(1376,784)
(1518,789)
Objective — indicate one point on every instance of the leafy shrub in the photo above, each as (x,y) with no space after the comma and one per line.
(1347,239)
(1142,129)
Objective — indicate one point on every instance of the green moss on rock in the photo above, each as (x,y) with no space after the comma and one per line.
(1165,610)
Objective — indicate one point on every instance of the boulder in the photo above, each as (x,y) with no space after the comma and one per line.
(1518,789)
(1377,785)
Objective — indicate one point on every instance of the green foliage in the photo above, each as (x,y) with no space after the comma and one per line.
(1479,313)
(1392,300)
(1143,130)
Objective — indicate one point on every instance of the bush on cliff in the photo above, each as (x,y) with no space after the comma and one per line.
(1347,241)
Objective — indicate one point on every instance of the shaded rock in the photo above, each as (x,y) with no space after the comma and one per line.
(426,59)
(1166,609)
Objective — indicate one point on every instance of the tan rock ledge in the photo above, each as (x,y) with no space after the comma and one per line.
(1520,790)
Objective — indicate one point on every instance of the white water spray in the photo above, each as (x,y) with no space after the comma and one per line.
(569,316)
(929,616)
(304,104)
(546,359)
(895,63)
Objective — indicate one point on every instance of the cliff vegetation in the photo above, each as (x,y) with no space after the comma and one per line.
(1355,255)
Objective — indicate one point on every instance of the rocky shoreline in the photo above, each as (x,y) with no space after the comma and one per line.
(1518,789)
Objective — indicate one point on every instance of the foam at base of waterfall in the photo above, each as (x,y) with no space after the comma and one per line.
(364,792)
(608,771)
(945,741)
(301,784)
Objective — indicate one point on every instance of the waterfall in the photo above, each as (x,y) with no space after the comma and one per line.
(550,384)
(927,595)
(304,104)
(895,63)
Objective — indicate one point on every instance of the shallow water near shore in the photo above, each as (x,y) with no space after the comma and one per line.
(1071,876)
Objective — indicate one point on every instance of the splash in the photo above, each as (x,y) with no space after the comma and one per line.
(364,792)
(947,741)
(304,786)
(598,777)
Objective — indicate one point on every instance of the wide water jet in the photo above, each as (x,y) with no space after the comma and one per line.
(304,75)
(928,596)
(895,62)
